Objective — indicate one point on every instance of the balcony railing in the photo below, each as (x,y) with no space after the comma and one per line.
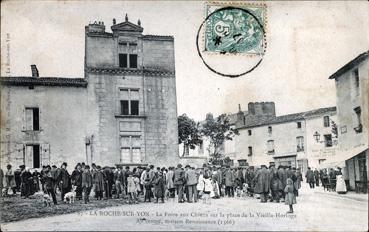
(300,148)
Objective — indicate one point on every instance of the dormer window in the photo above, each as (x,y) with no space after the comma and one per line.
(128,55)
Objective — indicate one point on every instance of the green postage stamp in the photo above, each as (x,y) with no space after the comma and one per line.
(235,28)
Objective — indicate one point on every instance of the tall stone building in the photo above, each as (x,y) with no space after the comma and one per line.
(352,96)
(123,111)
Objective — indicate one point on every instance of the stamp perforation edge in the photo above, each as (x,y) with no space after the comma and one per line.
(236,4)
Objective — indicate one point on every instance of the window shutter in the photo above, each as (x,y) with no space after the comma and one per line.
(39,119)
(45,153)
(24,119)
(19,155)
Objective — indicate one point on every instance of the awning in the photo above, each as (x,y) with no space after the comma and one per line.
(339,159)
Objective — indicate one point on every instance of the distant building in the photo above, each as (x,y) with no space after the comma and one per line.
(123,111)
(352,93)
(288,139)
(265,138)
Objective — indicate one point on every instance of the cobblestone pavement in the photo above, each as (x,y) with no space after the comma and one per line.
(315,210)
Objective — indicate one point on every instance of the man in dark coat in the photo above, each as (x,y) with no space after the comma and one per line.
(109,182)
(289,172)
(317,177)
(250,179)
(98,182)
(262,183)
(310,177)
(179,181)
(239,177)
(274,183)
(282,176)
(77,180)
(64,180)
(55,173)
(119,182)
(49,183)
(191,183)
(26,178)
(219,178)
(229,182)
(87,183)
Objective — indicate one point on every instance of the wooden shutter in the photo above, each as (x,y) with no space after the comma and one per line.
(45,153)
(24,119)
(39,119)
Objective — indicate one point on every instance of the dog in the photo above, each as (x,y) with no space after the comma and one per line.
(47,200)
(43,198)
(238,192)
(70,196)
(4,192)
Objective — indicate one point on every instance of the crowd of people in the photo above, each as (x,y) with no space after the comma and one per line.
(146,184)
(331,179)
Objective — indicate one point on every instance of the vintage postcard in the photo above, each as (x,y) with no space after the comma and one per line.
(184,115)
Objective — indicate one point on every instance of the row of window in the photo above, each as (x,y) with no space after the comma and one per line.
(299,141)
(326,123)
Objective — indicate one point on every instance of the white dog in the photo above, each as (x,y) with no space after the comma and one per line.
(70,196)
(42,197)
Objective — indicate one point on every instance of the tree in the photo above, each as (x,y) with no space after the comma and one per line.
(188,132)
(218,131)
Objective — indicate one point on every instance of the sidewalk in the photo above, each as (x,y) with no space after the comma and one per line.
(352,195)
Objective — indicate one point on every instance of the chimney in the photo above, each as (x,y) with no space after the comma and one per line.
(34,70)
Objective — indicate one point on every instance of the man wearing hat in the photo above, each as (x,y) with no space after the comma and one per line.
(179,179)
(77,180)
(64,180)
(262,183)
(49,183)
(191,183)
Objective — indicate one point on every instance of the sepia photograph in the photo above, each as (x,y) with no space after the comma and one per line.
(184,115)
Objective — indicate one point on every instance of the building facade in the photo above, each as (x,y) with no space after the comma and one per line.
(288,139)
(265,138)
(352,93)
(123,111)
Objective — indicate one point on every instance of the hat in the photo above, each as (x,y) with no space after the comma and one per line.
(187,166)
(98,167)
(54,166)
(22,166)
(151,166)
(179,165)
(65,164)
(127,167)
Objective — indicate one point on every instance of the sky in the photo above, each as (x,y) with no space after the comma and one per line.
(307,42)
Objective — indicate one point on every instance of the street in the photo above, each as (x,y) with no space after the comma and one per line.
(315,210)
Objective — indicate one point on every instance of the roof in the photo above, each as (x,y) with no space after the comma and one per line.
(43,81)
(350,65)
(127,26)
(233,117)
(158,37)
(289,117)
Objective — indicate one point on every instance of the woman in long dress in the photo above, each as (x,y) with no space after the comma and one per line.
(340,183)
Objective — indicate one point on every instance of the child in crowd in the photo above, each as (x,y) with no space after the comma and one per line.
(131,189)
(290,197)
(159,187)
(200,185)
(208,188)
(136,179)
(148,185)
(215,189)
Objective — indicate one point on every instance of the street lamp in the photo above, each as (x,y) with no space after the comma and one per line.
(316,136)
